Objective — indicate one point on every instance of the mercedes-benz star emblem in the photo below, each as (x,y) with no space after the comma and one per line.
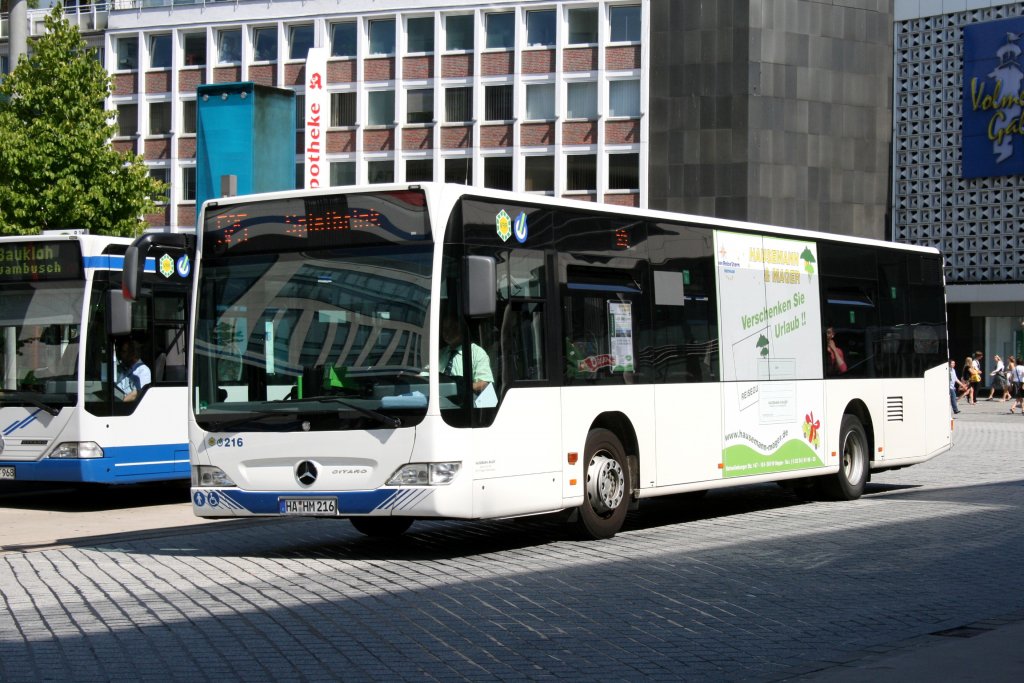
(305,472)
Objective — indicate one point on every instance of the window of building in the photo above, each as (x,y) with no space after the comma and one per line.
(501,30)
(498,103)
(540,28)
(498,173)
(420,105)
(194,45)
(162,174)
(624,171)
(188,183)
(625,23)
(343,39)
(381,108)
(5,64)
(581,172)
(458,104)
(459,170)
(343,109)
(300,40)
(458,32)
(382,37)
(583,26)
(540,102)
(581,100)
(380,171)
(343,173)
(264,44)
(300,115)
(420,34)
(188,117)
(127,120)
(419,170)
(229,46)
(540,174)
(127,54)
(159,118)
(160,51)
(624,98)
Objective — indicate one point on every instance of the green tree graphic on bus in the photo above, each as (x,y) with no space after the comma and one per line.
(762,343)
(808,258)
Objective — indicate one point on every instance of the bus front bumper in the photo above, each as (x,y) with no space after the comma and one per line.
(413,501)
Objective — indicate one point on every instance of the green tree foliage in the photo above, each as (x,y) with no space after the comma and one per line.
(57,169)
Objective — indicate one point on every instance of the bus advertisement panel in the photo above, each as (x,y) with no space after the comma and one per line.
(769,312)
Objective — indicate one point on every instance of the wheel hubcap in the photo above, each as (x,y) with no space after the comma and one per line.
(853,459)
(606,483)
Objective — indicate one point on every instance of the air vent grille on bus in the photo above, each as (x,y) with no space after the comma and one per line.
(894,408)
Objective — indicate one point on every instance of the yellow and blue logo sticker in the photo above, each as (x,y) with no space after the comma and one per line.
(166,264)
(504,224)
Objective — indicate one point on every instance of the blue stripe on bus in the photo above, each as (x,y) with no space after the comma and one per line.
(114,263)
(119,465)
(20,424)
(104,262)
(266,502)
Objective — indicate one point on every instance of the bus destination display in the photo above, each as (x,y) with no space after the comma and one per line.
(40,261)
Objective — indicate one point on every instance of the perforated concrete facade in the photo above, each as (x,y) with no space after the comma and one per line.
(974,222)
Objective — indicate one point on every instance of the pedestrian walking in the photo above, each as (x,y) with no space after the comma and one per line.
(1018,386)
(971,377)
(998,376)
(954,384)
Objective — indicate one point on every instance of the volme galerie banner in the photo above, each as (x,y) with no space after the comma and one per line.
(993,142)
(771,344)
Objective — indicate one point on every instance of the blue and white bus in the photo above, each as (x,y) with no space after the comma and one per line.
(617,354)
(63,413)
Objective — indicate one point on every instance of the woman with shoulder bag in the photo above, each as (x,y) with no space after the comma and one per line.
(971,378)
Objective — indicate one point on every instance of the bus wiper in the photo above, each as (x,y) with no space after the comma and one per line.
(387,420)
(227,425)
(30,399)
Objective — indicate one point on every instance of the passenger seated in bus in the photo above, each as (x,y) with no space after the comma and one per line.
(836,359)
(132,374)
(450,358)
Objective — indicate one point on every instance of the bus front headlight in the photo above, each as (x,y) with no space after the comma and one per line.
(425,474)
(207,475)
(84,450)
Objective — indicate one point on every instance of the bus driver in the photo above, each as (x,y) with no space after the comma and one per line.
(451,363)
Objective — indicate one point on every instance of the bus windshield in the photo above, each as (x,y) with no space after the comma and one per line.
(40,324)
(302,330)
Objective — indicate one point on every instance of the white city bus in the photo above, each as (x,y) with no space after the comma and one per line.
(63,413)
(631,354)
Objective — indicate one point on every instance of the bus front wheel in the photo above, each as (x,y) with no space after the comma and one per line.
(848,482)
(607,488)
(381,527)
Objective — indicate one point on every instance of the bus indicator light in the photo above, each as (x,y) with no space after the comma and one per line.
(573,458)
(572,482)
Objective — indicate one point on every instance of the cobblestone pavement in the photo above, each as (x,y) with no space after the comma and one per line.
(747,585)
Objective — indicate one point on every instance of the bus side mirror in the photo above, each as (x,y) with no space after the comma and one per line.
(481,299)
(135,257)
(119,314)
(132,273)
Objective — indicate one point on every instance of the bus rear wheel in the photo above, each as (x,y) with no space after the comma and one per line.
(381,527)
(848,482)
(607,486)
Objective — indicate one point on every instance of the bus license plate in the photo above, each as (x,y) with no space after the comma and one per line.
(7,472)
(308,506)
